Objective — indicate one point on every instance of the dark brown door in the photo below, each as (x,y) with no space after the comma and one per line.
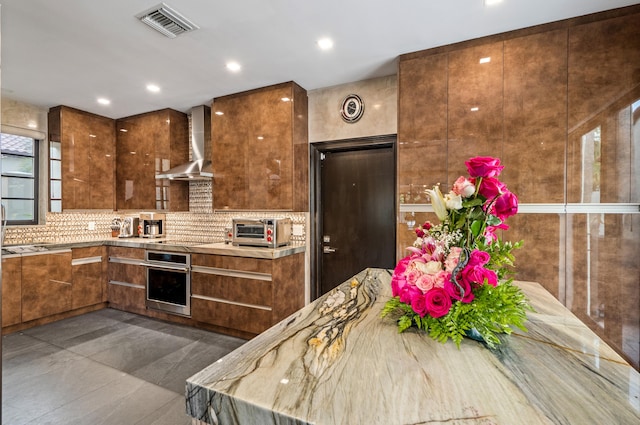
(357,211)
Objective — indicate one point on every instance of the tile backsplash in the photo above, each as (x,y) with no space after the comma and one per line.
(200,224)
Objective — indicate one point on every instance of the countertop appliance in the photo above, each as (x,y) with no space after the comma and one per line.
(152,225)
(129,227)
(168,282)
(263,232)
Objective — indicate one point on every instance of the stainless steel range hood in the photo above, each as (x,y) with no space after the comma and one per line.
(199,168)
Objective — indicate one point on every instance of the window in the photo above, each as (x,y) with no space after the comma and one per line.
(19,178)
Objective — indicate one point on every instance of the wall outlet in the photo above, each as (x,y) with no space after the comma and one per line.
(92,225)
(297,230)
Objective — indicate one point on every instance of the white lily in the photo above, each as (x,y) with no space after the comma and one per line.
(438,203)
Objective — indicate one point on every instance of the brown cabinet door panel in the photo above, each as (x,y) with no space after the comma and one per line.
(46,285)
(88,157)
(230,316)
(236,289)
(11,291)
(253,149)
(89,279)
(126,297)
(45,298)
(87,285)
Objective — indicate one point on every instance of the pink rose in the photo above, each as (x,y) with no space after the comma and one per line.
(478,274)
(505,206)
(484,166)
(491,187)
(408,293)
(463,187)
(441,278)
(438,302)
(452,259)
(454,292)
(478,258)
(419,305)
(398,280)
(426,282)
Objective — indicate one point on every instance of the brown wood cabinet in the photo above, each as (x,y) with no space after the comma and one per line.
(46,284)
(88,144)
(126,279)
(247,295)
(89,276)
(11,291)
(148,144)
(260,151)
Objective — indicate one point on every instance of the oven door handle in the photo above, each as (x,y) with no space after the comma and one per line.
(166,267)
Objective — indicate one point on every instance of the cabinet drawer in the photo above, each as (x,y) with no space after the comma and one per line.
(232,285)
(126,296)
(257,265)
(232,316)
(127,270)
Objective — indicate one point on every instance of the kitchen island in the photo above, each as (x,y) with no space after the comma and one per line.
(337,362)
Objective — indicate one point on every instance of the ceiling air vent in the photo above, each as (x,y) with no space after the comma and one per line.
(166,21)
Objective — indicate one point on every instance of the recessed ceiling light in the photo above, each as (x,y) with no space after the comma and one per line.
(103,101)
(153,88)
(474,109)
(260,138)
(219,113)
(325,43)
(124,130)
(233,66)
(285,99)
(485,60)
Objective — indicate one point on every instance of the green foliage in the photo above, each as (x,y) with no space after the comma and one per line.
(494,310)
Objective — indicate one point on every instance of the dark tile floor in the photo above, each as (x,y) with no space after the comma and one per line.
(105,367)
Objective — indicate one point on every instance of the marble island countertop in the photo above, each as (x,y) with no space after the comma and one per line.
(337,362)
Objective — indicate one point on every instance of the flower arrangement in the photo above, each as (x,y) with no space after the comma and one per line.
(455,281)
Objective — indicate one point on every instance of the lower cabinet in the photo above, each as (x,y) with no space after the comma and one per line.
(245,294)
(126,285)
(46,284)
(88,276)
(11,291)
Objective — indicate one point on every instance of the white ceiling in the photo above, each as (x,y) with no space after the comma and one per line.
(71,52)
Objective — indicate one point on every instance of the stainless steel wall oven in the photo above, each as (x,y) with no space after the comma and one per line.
(168,282)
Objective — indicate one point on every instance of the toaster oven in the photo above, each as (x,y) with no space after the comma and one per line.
(263,232)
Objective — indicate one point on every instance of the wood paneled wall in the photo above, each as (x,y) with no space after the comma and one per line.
(545,93)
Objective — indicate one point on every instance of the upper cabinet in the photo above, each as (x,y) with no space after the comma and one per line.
(148,144)
(260,151)
(84,175)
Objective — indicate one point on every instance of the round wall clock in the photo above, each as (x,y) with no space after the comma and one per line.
(352,108)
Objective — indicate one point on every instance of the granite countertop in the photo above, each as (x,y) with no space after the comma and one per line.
(337,362)
(216,248)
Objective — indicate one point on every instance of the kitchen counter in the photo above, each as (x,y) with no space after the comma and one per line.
(218,248)
(337,362)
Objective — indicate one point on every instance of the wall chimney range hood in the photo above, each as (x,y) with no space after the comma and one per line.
(199,168)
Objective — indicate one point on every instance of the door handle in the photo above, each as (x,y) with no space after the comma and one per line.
(328,250)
